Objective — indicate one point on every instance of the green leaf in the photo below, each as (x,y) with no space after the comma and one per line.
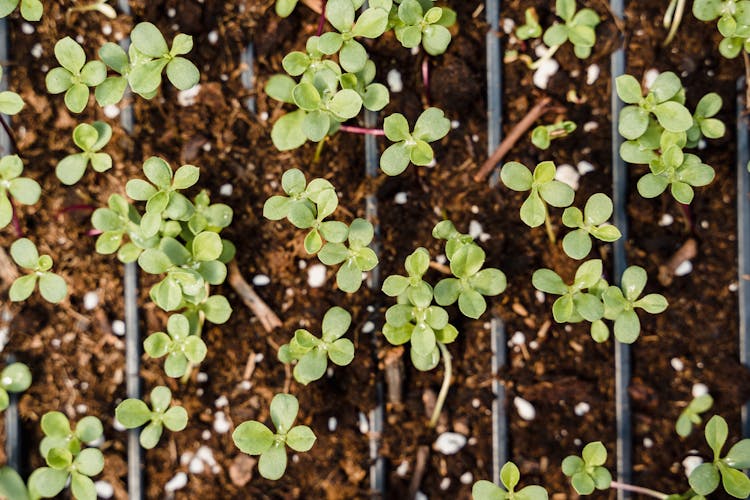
(90,462)
(548,281)
(207,246)
(70,55)
(510,475)
(47,482)
(253,437)
(557,34)
(31,10)
(582,483)
(145,78)
(15,377)
(287,132)
(471,303)
(71,169)
(589,273)
(349,277)
(284,409)
(341,352)
(633,122)
(577,244)
(735,482)
(272,462)
(594,453)
(182,44)
(628,89)
(396,127)
(10,103)
(59,458)
(371,24)
(395,159)
(148,40)
(22,288)
(489,282)
(52,287)
(25,191)
(12,485)
(673,116)
(633,282)
(175,419)
(345,103)
(533,211)
(431,125)
(56,424)
(93,73)
(485,490)
(665,86)
(77,97)
(427,362)
(58,80)
(651,185)
(132,413)
(716,434)
(150,435)
(89,429)
(300,438)
(739,454)
(336,322)
(704,479)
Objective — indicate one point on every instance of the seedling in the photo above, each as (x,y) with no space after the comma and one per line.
(704,123)
(51,285)
(579,28)
(574,305)
(16,377)
(181,348)
(665,101)
(587,472)
(543,135)
(418,21)
(341,14)
(590,222)
(31,10)
(733,24)
(355,260)
(90,139)
(75,75)
(411,286)
(133,413)
(10,102)
(704,479)
(510,476)
(413,147)
(23,190)
(254,438)
(532,28)
(690,416)
(544,190)
(66,459)
(312,353)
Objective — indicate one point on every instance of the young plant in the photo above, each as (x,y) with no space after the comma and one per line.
(371,23)
(543,135)
(23,190)
(31,10)
(311,353)
(418,21)
(664,100)
(16,377)
(67,461)
(255,438)
(590,222)
(705,478)
(75,75)
(133,413)
(358,258)
(587,472)
(510,477)
(532,28)
(733,24)
(704,123)
(90,139)
(574,305)
(413,146)
(181,347)
(545,189)
(620,304)
(10,102)
(51,285)
(690,416)
(579,28)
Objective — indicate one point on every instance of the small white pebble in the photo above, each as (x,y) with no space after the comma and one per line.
(415,50)
(259,357)
(403,468)
(27,29)
(592,74)
(704,224)
(475,229)
(699,390)
(533,344)
(332,424)
(419,495)
(213,37)
(316,275)
(206,435)
(525,409)
(466,478)
(472,441)
(518,338)
(568,174)
(221,402)
(508,25)
(539,296)
(171,12)
(581,408)
(474,138)
(648,442)
(364,424)
(246,385)
(111,111)
(733,287)
(221,424)
(666,220)
(577,442)
(690,463)
(445,483)
(118,327)
(685,268)
(475,403)
(205,454)
(441,259)
(188,97)
(90,300)
(590,126)
(263,116)
(702,144)
(455,124)
(395,83)
(82,408)
(178,482)
(37,50)
(546,70)
(98,442)
(368,327)
(449,443)
(677,364)
(106,29)
(55,342)
(196,466)
(226,189)
(649,77)
(202,377)
(400,198)
(474,209)
(261,280)
(104,489)
(584,167)
(186,457)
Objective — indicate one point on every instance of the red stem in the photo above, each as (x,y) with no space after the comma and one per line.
(75,208)
(93,232)
(322,20)
(14,220)
(360,130)
(426,78)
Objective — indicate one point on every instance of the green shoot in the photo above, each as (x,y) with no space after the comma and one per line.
(690,416)
(75,75)
(510,476)
(733,24)
(133,413)
(90,139)
(532,28)
(587,472)
(51,285)
(418,21)
(413,146)
(591,222)
(543,135)
(579,28)
(180,347)
(16,377)
(23,190)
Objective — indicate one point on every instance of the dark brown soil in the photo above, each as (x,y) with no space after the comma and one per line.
(76,360)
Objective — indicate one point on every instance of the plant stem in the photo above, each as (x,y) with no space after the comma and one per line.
(14,219)
(673,18)
(547,55)
(319,150)
(426,78)
(322,20)
(548,226)
(637,489)
(361,130)
(447,376)
(8,131)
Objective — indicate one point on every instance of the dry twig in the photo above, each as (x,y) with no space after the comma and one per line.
(260,309)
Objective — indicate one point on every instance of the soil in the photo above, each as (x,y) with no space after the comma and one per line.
(78,363)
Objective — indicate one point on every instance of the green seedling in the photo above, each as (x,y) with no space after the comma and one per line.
(16,377)
(12,485)
(75,75)
(375,96)
(51,285)
(690,416)
(510,476)
(90,139)
(255,438)
(543,135)
(621,302)
(67,461)
(587,472)
(544,190)
(733,24)
(704,123)
(579,28)
(413,146)
(371,23)
(180,347)
(411,286)
(591,222)
(705,478)
(573,305)
(306,63)
(665,101)
(133,413)
(418,21)
(358,258)
(311,353)
(10,102)
(532,28)
(22,189)
(31,10)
